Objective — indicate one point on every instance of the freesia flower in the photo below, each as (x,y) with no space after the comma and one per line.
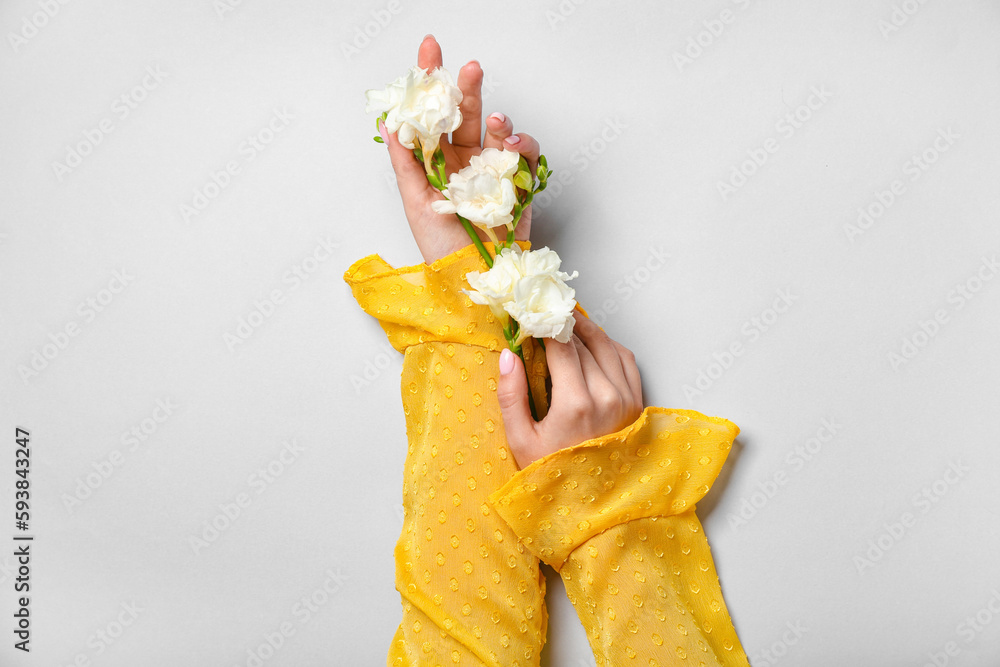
(483,192)
(543,261)
(494,288)
(543,307)
(421,106)
(528,286)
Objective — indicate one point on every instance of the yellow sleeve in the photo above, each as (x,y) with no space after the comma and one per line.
(615,516)
(471,593)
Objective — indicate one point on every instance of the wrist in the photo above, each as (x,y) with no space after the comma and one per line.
(524,456)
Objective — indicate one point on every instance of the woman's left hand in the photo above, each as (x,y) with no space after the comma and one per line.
(439,235)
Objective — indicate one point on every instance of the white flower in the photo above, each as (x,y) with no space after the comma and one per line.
(543,307)
(421,106)
(541,261)
(494,288)
(483,192)
(530,288)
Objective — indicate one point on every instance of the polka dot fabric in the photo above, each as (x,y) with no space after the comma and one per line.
(615,516)
(609,514)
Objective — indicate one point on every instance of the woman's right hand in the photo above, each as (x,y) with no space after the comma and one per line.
(596,390)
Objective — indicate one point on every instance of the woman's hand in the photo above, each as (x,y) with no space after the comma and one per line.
(596,390)
(439,235)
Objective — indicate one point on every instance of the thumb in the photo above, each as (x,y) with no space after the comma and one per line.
(410,176)
(512,394)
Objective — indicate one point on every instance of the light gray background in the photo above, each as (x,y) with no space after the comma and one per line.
(318,371)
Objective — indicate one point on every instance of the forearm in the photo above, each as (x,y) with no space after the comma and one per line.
(615,516)
(648,589)
(472,595)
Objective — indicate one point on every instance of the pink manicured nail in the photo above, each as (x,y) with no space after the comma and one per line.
(499,116)
(506,361)
(513,140)
(381,131)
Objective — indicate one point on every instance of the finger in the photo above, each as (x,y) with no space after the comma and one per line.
(429,54)
(498,128)
(512,394)
(601,389)
(568,383)
(603,350)
(470,81)
(631,373)
(523,230)
(526,145)
(410,177)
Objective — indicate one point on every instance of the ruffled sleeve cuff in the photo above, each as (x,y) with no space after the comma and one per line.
(425,303)
(660,465)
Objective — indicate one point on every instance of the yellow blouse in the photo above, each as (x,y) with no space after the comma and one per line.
(615,515)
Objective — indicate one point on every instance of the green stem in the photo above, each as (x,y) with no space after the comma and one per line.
(442,175)
(542,343)
(527,383)
(476,240)
(510,333)
(442,185)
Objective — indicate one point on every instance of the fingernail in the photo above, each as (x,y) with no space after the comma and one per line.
(506,361)
(513,140)
(428,35)
(499,116)
(381,131)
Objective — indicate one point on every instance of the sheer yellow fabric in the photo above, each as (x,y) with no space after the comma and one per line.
(614,515)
